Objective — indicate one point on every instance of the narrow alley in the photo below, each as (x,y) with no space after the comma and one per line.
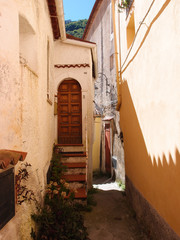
(89,93)
(112,218)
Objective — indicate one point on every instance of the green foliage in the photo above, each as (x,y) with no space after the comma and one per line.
(121,185)
(90,201)
(92,191)
(124,4)
(59,217)
(90,197)
(23,193)
(76,28)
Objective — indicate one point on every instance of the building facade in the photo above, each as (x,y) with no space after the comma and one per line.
(36,58)
(148,39)
(100,29)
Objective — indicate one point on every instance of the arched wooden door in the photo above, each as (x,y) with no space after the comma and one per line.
(69,113)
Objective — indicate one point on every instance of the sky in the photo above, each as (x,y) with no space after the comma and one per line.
(77,9)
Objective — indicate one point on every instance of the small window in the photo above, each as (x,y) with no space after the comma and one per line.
(130,31)
(111,62)
(112,26)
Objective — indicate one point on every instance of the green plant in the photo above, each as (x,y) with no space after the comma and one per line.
(124,4)
(90,198)
(23,193)
(59,217)
(121,185)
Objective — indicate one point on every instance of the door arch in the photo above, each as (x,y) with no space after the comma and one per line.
(69,113)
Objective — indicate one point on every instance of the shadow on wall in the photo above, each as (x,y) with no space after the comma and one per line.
(158,180)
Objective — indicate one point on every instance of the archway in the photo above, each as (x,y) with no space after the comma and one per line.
(69,113)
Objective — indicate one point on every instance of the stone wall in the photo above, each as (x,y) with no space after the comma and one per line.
(101,32)
(149,219)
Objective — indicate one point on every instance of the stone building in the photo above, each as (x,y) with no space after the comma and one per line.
(100,29)
(40,67)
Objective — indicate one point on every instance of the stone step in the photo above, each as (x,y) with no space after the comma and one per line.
(73,154)
(73,159)
(80,193)
(77,171)
(76,185)
(75,177)
(75,164)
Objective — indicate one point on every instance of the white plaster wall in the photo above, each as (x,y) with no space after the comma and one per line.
(27,119)
(10,122)
(70,54)
(27,39)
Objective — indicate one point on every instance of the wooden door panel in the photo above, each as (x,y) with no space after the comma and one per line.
(75,87)
(64,119)
(64,109)
(64,87)
(75,119)
(64,98)
(75,98)
(75,131)
(64,130)
(75,108)
(69,113)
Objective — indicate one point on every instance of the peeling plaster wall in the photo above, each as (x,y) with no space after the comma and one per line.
(101,32)
(10,121)
(70,54)
(27,118)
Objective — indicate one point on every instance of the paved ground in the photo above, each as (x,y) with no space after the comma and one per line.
(112,218)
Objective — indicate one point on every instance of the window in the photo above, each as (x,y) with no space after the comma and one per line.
(111,62)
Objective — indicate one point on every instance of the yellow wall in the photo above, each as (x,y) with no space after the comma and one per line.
(150,112)
(130,31)
(97,142)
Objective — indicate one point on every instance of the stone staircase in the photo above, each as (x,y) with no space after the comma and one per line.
(76,174)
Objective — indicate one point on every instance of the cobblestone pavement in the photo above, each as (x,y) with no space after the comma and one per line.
(112,218)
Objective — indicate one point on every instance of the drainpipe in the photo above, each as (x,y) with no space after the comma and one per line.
(60,15)
(120,62)
(118,79)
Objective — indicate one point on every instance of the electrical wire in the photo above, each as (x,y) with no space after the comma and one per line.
(141,23)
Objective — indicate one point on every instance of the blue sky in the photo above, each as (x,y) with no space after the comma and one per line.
(77,9)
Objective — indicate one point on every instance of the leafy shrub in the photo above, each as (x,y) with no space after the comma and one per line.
(59,218)
(23,193)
